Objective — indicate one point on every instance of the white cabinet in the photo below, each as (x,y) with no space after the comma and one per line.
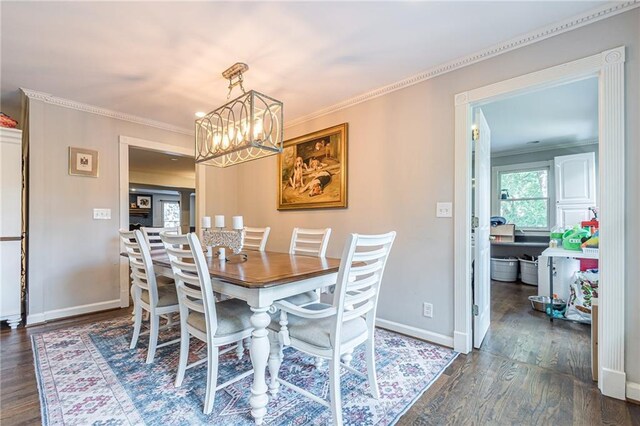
(575,182)
(10,225)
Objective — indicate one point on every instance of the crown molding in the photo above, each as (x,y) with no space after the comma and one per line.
(540,34)
(510,152)
(78,106)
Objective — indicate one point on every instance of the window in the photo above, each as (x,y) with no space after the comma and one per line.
(523,195)
(170,214)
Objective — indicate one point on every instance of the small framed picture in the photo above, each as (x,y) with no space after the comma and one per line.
(144,201)
(83,162)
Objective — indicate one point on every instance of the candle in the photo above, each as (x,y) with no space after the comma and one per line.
(237,222)
(219,219)
(205,222)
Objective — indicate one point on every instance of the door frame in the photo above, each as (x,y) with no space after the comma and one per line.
(125,143)
(608,67)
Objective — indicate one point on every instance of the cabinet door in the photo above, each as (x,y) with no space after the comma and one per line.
(572,214)
(10,265)
(575,177)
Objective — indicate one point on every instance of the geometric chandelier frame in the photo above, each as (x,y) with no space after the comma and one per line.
(246,128)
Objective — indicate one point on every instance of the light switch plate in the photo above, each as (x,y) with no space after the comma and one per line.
(102,214)
(444,209)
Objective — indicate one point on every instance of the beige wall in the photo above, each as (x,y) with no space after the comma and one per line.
(162,179)
(401,159)
(73,259)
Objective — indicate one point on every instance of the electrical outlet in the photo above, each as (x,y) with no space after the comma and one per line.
(444,209)
(427,310)
(102,214)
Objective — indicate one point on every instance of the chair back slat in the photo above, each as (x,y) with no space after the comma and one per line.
(358,286)
(357,312)
(152,237)
(143,276)
(310,242)
(256,238)
(193,282)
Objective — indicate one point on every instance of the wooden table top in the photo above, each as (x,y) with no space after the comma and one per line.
(265,269)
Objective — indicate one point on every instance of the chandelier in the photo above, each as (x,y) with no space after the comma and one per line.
(244,129)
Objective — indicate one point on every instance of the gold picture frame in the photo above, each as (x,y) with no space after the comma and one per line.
(312,170)
(83,162)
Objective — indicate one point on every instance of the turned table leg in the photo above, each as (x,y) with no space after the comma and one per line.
(259,356)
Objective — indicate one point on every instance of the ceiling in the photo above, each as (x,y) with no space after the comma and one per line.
(157,162)
(162,60)
(561,115)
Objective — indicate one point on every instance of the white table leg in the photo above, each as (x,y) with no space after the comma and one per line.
(259,356)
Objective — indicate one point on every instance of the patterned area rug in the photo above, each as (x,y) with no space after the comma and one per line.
(88,375)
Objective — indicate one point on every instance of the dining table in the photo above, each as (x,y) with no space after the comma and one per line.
(260,279)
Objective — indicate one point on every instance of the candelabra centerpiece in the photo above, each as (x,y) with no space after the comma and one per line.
(221,238)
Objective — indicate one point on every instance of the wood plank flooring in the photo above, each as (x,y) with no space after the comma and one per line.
(528,371)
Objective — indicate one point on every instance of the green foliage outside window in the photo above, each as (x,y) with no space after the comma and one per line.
(527,204)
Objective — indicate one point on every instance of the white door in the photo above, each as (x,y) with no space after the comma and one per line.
(482,280)
(569,215)
(576,179)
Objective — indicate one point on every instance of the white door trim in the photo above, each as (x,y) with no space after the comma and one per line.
(125,143)
(608,67)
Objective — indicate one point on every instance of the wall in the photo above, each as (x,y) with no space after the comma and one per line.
(73,259)
(401,159)
(162,179)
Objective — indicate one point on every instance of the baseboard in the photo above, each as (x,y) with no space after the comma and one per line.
(633,392)
(39,318)
(418,333)
(34,319)
(613,383)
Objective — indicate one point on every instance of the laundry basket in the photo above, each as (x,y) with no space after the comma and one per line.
(504,269)
(529,271)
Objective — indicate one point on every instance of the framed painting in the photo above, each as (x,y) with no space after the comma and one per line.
(83,162)
(143,201)
(312,170)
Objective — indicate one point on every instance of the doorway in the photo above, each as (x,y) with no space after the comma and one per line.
(535,172)
(608,68)
(128,197)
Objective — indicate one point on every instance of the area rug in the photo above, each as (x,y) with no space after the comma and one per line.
(88,375)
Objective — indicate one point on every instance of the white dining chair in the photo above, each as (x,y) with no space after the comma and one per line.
(256,238)
(310,242)
(148,295)
(328,331)
(152,237)
(215,323)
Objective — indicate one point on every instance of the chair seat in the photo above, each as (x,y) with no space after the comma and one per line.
(162,280)
(166,296)
(316,332)
(303,299)
(233,317)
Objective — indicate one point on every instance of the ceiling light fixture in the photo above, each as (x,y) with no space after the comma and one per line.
(247,128)
(200,114)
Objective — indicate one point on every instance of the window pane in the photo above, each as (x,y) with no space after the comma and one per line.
(529,184)
(525,214)
(171,213)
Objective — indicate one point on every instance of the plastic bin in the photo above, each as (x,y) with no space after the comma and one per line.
(529,271)
(504,269)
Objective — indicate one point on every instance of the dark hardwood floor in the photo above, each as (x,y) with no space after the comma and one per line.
(528,371)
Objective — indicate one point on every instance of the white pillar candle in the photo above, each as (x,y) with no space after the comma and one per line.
(237,222)
(222,253)
(205,222)
(219,220)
